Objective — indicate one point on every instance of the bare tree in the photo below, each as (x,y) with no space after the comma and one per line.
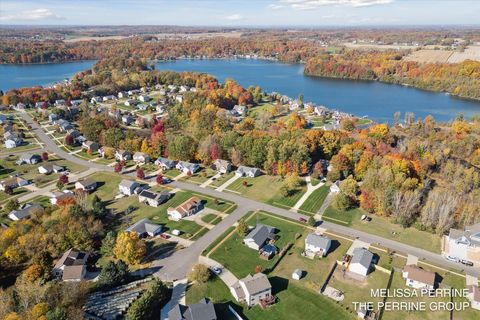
(405,206)
(439,210)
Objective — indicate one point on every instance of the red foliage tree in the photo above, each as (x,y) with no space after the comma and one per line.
(68,140)
(140,173)
(63,179)
(159,179)
(45,156)
(118,167)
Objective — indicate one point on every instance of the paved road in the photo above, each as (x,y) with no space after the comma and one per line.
(177,265)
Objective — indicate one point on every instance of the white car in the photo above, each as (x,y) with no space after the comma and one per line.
(216,270)
(451,258)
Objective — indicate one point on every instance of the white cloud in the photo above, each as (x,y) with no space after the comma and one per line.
(314,4)
(31,15)
(234,17)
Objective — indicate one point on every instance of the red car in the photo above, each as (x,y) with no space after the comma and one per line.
(302,219)
(164,236)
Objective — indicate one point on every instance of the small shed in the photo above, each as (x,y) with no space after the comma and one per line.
(297,274)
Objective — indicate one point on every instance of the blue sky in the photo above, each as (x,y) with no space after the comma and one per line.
(241,13)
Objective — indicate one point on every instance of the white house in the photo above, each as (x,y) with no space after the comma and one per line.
(418,278)
(72,266)
(165,164)
(123,155)
(127,187)
(335,187)
(144,98)
(317,244)
(141,157)
(86,185)
(60,196)
(259,236)
(474,296)
(187,167)
(153,199)
(25,212)
(361,261)
(463,244)
(130,102)
(250,172)
(252,289)
(144,228)
(187,208)
(96,99)
(222,166)
(13,141)
(297,274)
(49,168)
(109,98)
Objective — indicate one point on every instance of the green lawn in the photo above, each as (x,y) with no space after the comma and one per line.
(280,200)
(240,259)
(221,180)
(383,227)
(315,200)
(171,173)
(208,218)
(201,176)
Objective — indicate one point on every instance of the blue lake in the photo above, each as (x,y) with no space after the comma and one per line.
(377,100)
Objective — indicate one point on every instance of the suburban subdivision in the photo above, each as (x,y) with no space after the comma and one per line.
(132,191)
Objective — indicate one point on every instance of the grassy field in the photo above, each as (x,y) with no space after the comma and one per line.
(224,178)
(382,227)
(208,218)
(315,200)
(240,259)
(200,177)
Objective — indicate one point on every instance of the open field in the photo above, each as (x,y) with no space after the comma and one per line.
(444,56)
(381,226)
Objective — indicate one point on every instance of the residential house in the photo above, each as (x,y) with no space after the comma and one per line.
(63,125)
(72,266)
(12,140)
(361,261)
(49,168)
(250,172)
(317,244)
(160,108)
(13,182)
(153,199)
(109,98)
(141,157)
(145,228)
(122,94)
(183,89)
(463,244)
(418,278)
(64,195)
(240,110)
(29,158)
(41,105)
(187,167)
(144,98)
(59,102)
(52,117)
(75,103)
(127,187)
(142,107)
(252,289)
(86,185)
(127,119)
(259,236)
(187,208)
(74,133)
(202,310)
(165,164)
(133,92)
(130,102)
(20,106)
(179,98)
(123,155)
(474,296)
(335,187)
(96,99)
(90,146)
(222,166)
(25,212)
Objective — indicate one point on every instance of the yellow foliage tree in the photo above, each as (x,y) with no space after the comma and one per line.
(129,248)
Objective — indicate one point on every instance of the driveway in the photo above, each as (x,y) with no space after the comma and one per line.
(178,297)
(227,277)
(207,183)
(310,190)
(227,183)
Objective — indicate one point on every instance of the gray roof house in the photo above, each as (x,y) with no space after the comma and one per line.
(141,157)
(29,158)
(127,187)
(72,266)
(145,228)
(123,155)
(361,261)
(257,238)
(252,289)
(202,310)
(250,172)
(153,199)
(49,168)
(90,145)
(165,163)
(86,185)
(222,166)
(25,212)
(317,244)
(187,167)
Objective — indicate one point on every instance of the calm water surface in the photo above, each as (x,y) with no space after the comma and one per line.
(377,100)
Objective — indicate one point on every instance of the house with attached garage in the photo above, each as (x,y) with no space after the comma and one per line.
(123,155)
(25,212)
(252,289)
(12,183)
(122,94)
(202,310)
(41,105)
(249,172)
(130,102)
(90,146)
(153,199)
(12,140)
(145,228)
(72,266)
(96,100)
(240,110)
(49,168)
(127,119)
(65,195)
(188,208)
(29,158)
(63,125)
(187,167)
(361,262)
(109,98)
(259,236)
(52,117)
(165,164)
(222,166)
(88,185)
(59,102)
(463,244)
(316,244)
(144,98)
(127,187)
(418,278)
(141,157)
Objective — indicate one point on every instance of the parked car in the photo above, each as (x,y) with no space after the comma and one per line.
(466,262)
(451,258)
(164,236)
(216,270)
(302,219)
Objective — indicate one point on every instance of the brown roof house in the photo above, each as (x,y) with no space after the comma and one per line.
(91,146)
(86,185)
(188,208)
(419,278)
(252,289)
(72,266)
